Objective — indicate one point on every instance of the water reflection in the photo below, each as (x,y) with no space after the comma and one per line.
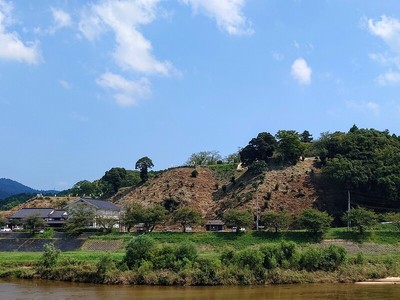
(38,289)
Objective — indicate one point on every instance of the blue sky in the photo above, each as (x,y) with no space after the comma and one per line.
(90,85)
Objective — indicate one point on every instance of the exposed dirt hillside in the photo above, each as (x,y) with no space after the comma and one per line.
(288,188)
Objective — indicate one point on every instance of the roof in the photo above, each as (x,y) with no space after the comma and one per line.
(215,222)
(99,204)
(27,212)
(59,214)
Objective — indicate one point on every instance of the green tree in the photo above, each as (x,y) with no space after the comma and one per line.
(260,148)
(144,164)
(315,221)
(115,177)
(306,137)
(106,223)
(394,217)
(361,219)
(275,220)
(132,216)
(34,223)
(238,218)
(79,218)
(150,217)
(186,216)
(204,158)
(289,145)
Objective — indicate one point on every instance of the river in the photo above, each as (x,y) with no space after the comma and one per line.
(43,290)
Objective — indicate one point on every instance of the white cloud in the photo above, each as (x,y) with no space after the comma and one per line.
(133,51)
(364,106)
(65,84)
(387,29)
(12,48)
(278,56)
(61,19)
(227,13)
(126,92)
(301,72)
(389,78)
(78,117)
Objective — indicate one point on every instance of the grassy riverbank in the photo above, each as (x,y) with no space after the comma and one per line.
(215,259)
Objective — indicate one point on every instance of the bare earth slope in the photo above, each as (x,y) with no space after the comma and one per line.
(290,189)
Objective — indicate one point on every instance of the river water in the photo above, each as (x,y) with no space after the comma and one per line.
(43,290)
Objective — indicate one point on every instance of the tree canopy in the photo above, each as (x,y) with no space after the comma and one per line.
(260,148)
(143,164)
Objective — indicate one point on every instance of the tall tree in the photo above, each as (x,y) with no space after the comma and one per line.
(186,216)
(260,148)
(143,164)
(289,145)
(306,137)
(115,177)
(238,218)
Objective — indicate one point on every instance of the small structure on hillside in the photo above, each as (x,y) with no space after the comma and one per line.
(215,225)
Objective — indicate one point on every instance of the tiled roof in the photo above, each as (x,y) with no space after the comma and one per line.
(57,214)
(27,212)
(101,204)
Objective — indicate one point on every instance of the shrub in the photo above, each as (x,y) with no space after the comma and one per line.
(105,264)
(139,249)
(49,257)
(325,259)
(250,258)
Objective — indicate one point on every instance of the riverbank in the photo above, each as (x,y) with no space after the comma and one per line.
(253,258)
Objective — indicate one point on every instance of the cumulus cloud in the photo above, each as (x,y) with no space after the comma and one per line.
(227,13)
(12,47)
(61,19)
(133,51)
(301,72)
(389,78)
(388,29)
(125,92)
(364,106)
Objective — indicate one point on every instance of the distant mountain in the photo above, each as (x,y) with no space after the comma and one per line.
(10,187)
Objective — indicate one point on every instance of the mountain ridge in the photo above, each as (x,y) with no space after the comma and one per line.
(9,187)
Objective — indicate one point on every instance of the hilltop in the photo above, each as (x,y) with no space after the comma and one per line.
(213,191)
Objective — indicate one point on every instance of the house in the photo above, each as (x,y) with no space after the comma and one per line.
(214,225)
(52,217)
(102,210)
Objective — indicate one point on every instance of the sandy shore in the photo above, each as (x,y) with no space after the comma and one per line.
(387,280)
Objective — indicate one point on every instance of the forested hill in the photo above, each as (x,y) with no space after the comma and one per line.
(10,187)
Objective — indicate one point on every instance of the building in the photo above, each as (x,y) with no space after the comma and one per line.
(215,225)
(52,217)
(103,210)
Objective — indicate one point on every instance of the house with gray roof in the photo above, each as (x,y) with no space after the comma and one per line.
(102,209)
(52,217)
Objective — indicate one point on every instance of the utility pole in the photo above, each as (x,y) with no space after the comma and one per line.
(348,210)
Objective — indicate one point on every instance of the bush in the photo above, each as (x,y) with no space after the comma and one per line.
(49,257)
(139,249)
(105,265)
(325,259)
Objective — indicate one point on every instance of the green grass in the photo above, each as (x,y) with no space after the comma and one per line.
(374,236)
